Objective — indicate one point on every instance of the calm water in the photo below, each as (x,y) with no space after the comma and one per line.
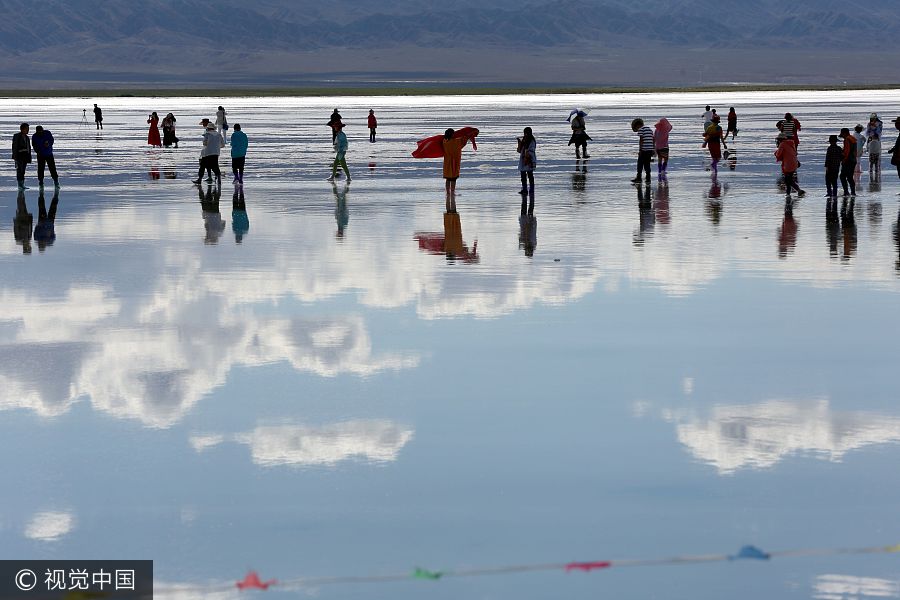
(312,387)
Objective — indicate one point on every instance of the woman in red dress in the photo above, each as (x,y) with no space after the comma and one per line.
(153,137)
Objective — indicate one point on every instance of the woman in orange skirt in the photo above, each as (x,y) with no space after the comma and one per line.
(452,159)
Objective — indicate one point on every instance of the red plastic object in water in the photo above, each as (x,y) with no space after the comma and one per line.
(587,566)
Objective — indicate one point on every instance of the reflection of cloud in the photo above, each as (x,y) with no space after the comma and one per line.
(760,435)
(300,445)
(849,587)
(49,526)
(163,590)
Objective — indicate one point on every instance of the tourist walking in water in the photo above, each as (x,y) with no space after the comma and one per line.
(646,145)
(153,135)
(786,154)
(848,165)
(527,146)
(239,145)
(221,122)
(707,117)
(579,134)
(373,124)
(42,142)
(209,155)
(834,156)
(452,161)
(791,128)
(333,122)
(712,140)
(21,153)
(732,124)
(168,127)
(340,152)
(98,116)
(895,149)
(661,143)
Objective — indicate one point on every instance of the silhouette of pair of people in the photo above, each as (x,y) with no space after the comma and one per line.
(213,222)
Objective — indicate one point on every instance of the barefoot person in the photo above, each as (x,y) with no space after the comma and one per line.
(452,161)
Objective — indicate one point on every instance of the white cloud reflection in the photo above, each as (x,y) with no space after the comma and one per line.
(758,436)
(49,526)
(373,441)
(851,587)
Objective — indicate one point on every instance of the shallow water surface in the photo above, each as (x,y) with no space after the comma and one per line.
(317,380)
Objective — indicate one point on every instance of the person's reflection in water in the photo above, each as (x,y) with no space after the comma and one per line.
(528,225)
(897,242)
(240,222)
(450,243)
(212,218)
(579,181)
(832,225)
(22,224)
(848,227)
(873,211)
(714,200)
(661,202)
(647,220)
(787,233)
(45,230)
(341,212)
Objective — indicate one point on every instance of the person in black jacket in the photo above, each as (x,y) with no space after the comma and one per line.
(98,116)
(42,141)
(21,153)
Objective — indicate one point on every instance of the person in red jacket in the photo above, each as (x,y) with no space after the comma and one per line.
(849,163)
(373,123)
(787,156)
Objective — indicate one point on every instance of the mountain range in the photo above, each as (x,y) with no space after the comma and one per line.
(178,43)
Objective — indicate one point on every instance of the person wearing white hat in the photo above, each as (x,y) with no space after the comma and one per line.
(209,154)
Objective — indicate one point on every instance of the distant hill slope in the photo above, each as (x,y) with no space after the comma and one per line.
(289,42)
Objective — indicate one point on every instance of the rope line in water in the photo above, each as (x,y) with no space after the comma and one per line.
(252,580)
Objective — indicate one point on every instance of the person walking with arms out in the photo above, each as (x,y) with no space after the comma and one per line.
(646,147)
(527,159)
(239,143)
(848,164)
(661,142)
(21,153)
(834,156)
(373,124)
(340,151)
(42,141)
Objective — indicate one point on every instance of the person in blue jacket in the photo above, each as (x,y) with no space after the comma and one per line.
(340,151)
(239,145)
(42,142)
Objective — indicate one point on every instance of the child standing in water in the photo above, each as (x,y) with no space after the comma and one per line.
(661,142)
(452,161)
(646,145)
(860,149)
(579,135)
(875,157)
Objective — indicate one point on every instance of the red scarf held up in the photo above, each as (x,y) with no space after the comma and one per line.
(431,147)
